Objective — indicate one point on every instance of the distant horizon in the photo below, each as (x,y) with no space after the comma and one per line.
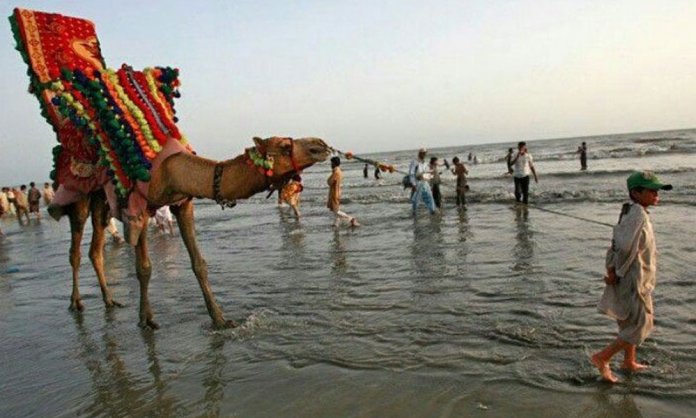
(527,140)
(39,183)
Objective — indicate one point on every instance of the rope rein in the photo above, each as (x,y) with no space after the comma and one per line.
(571,216)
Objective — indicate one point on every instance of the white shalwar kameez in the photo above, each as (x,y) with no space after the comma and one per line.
(633,255)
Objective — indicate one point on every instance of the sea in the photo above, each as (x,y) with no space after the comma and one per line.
(484,312)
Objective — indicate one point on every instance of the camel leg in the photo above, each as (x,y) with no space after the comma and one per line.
(100,219)
(184,217)
(143,269)
(77,213)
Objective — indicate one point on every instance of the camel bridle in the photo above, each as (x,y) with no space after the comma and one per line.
(217,176)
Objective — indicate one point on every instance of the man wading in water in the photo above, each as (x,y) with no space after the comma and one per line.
(334,201)
(523,164)
(631,264)
(419,174)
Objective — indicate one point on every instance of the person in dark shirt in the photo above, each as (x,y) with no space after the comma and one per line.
(582,150)
(508,159)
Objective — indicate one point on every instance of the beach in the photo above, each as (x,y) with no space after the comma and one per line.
(485,312)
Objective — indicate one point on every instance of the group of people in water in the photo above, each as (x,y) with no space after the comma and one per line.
(23,203)
(424,180)
(290,194)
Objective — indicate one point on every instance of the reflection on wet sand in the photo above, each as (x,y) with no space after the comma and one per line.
(523,251)
(214,382)
(464,228)
(116,391)
(604,404)
(339,264)
(428,249)
(113,387)
(292,244)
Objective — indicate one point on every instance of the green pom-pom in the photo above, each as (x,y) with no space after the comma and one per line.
(67,74)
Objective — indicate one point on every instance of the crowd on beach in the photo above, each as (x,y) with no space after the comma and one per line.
(24,203)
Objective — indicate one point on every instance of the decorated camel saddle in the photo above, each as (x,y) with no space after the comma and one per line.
(113,126)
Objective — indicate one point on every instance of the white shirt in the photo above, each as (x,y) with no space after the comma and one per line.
(522,165)
(633,255)
(419,171)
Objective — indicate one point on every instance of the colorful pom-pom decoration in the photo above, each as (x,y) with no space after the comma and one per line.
(119,119)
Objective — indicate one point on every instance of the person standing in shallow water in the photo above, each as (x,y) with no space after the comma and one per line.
(290,194)
(435,182)
(334,201)
(418,174)
(34,197)
(365,171)
(631,263)
(582,150)
(21,203)
(460,171)
(523,165)
(48,194)
(508,160)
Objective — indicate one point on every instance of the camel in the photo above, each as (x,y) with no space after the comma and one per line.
(179,178)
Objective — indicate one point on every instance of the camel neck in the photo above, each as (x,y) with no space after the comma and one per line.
(191,175)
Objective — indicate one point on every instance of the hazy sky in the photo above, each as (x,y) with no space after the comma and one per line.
(376,75)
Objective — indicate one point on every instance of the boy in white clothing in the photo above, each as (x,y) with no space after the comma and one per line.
(631,264)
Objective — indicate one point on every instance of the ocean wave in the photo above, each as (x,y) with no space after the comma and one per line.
(611,173)
(591,174)
(663,148)
(653,140)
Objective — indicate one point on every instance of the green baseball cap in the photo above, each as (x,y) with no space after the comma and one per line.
(647,180)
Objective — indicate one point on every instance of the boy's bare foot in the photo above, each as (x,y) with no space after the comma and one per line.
(633,366)
(604,370)
(354,222)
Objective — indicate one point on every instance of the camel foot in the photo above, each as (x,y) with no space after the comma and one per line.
(77,305)
(225,324)
(604,370)
(633,367)
(148,324)
(113,304)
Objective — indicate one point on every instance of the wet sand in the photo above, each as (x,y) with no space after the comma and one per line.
(490,312)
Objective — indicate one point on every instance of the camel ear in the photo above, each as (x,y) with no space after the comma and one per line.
(260,144)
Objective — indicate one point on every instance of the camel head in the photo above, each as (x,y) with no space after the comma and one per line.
(287,156)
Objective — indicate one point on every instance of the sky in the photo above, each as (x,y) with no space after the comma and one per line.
(370,76)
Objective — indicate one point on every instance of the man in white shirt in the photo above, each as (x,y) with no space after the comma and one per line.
(419,174)
(523,164)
